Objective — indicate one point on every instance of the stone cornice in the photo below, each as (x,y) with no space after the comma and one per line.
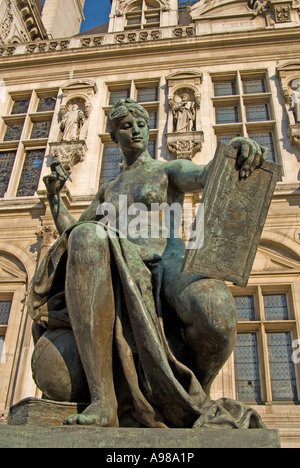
(131,43)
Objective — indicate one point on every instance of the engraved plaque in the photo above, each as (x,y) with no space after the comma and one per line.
(235,212)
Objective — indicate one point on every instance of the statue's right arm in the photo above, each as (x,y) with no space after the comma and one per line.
(61,215)
(55,182)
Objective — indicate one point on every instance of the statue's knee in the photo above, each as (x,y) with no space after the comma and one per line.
(215,307)
(88,238)
(57,368)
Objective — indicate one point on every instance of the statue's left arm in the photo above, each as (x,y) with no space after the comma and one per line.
(187,176)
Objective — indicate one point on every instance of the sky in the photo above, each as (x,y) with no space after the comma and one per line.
(96,12)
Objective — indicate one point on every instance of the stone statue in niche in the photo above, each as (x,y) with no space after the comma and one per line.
(72,123)
(185,141)
(184,113)
(71,148)
(136,339)
(296,103)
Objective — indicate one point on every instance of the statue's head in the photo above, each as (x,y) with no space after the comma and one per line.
(122,109)
(185,97)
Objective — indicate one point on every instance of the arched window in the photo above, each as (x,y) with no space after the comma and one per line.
(13,285)
(143,14)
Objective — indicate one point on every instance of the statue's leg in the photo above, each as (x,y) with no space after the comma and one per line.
(90,302)
(207,309)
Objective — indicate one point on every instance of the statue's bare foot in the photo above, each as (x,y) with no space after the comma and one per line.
(97,414)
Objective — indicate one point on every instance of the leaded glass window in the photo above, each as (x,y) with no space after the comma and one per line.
(5,307)
(245,307)
(257,113)
(247,368)
(254,86)
(13,131)
(117,95)
(282,369)
(225,88)
(111,163)
(153,18)
(152,120)
(276,307)
(46,104)
(264,347)
(266,140)
(7,159)
(226,138)
(20,106)
(227,115)
(147,94)
(134,20)
(246,100)
(31,173)
(41,129)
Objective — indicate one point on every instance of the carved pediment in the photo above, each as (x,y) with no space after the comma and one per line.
(268,259)
(79,84)
(185,74)
(10,272)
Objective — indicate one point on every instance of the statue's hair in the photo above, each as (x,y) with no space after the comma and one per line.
(120,110)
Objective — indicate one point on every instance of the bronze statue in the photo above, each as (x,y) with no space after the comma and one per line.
(151,340)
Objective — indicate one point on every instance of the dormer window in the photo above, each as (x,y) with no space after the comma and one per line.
(143,14)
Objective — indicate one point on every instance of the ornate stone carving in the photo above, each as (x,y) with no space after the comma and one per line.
(48,234)
(6,25)
(282,14)
(296,103)
(185,145)
(257,6)
(68,152)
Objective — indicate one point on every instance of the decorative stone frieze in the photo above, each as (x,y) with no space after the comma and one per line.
(185,145)
(136,36)
(68,152)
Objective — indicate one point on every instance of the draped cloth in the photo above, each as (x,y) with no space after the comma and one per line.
(161,390)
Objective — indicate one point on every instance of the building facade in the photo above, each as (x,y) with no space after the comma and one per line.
(236,66)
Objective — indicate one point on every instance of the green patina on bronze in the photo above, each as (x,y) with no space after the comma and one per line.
(147,340)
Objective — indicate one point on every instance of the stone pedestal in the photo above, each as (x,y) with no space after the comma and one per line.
(128,438)
(38,424)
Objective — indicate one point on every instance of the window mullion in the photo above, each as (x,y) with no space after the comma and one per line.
(16,172)
(265,362)
(265,373)
(241,103)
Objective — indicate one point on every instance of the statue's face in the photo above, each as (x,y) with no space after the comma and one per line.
(132,134)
